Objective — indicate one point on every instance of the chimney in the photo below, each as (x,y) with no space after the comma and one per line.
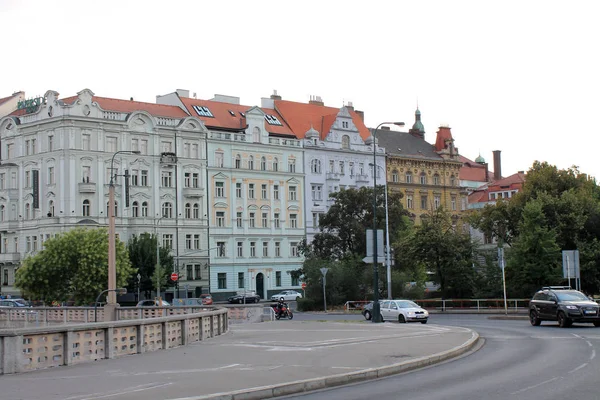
(497,165)
(487,172)
(316,100)
(350,106)
(275,96)
(183,92)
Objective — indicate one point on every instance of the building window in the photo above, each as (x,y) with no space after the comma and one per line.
(331,166)
(452,180)
(145,209)
(85,141)
(317,192)
(111,144)
(424,201)
(345,139)
(167,210)
(256,134)
(453,203)
(252,220)
(188,242)
(293,249)
(292,166)
(221,249)
(276,192)
(144,177)
(238,162)
(240,249)
(436,179)
(275,164)
(395,176)
(251,191)
(409,201)
(263,192)
(188,272)
(315,219)
(188,210)
(86,173)
(197,271)
(293,220)
(27,179)
(437,202)
(252,249)
(315,166)
(238,190)
(263,164)
(116,209)
(167,241)
(278,278)
(342,168)
(135,144)
(5,277)
(51,143)
(241,283)
(219,189)
(276,220)
(265,220)
(2,181)
(251,162)
(408,177)
(423,179)
(277,249)
(2,212)
(295,281)
(219,160)
(167,178)
(51,175)
(239,220)
(220,219)
(351,168)
(222,280)
(144,146)
(292,193)
(135,209)
(265,252)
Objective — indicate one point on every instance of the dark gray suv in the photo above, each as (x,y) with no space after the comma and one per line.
(563,304)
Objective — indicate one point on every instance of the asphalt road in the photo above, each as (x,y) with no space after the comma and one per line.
(517,361)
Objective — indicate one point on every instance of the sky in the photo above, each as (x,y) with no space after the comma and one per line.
(520,76)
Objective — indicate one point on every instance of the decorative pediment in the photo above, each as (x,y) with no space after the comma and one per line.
(265,207)
(252,207)
(167,196)
(50,195)
(193,124)
(220,175)
(192,167)
(220,205)
(140,161)
(255,110)
(293,208)
(30,164)
(140,121)
(293,181)
(86,159)
(8,126)
(141,195)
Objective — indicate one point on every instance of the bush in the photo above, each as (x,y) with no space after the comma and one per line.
(308,305)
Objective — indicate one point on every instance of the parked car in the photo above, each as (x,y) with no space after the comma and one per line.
(152,303)
(564,305)
(206,299)
(367,311)
(244,297)
(14,303)
(403,311)
(287,295)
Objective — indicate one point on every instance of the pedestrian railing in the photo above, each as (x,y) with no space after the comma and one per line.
(462,305)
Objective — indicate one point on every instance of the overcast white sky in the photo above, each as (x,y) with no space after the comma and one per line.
(522,77)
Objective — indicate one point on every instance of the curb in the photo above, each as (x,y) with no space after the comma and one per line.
(285,389)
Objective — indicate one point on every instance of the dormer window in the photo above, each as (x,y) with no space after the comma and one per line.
(345,124)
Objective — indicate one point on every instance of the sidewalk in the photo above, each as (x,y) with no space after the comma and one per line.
(252,361)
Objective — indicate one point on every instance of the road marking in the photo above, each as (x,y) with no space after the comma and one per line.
(578,368)
(180,371)
(133,389)
(593,355)
(534,386)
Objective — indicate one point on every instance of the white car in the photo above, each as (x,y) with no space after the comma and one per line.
(287,295)
(403,311)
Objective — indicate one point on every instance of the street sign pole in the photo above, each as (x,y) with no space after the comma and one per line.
(501,261)
(324,272)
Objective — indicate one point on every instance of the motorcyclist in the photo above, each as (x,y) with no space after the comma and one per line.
(280,305)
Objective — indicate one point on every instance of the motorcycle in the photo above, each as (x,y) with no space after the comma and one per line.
(285,311)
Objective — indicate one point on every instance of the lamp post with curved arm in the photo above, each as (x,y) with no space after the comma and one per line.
(157,257)
(112,257)
(387,240)
(376,308)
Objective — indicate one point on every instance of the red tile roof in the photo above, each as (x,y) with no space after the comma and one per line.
(127,106)
(472,171)
(514,181)
(5,99)
(478,196)
(223,119)
(443,134)
(301,116)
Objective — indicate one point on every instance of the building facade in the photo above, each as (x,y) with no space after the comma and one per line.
(58,158)
(256,195)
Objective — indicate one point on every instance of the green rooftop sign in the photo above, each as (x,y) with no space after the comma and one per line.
(30,105)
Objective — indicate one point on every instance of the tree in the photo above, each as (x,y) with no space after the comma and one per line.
(73,266)
(142,253)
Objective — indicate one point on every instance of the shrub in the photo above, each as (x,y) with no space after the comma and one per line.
(308,305)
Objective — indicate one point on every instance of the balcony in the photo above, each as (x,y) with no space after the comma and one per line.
(193,192)
(87,187)
(332,176)
(362,178)
(13,258)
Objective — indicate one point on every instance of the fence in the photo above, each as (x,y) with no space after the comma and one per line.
(29,349)
(459,305)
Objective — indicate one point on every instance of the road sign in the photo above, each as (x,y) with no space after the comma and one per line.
(380,244)
(174,276)
(324,271)
(303,285)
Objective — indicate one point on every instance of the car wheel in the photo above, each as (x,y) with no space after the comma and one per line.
(563,321)
(368,315)
(297,297)
(597,323)
(424,322)
(534,319)
(401,319)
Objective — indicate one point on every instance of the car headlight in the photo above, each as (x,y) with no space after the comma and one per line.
(572,307)
(411,313)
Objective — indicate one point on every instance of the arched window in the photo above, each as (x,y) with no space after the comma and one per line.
(13,212)
(263,164)
(315,166)
(135,209)
(2,209)
(51,207)
(345,142)
(275,164)
(408,177)
(116,209)
(27,210)
(423,178)
(188,210)
(256,134)
(86,208)
(452,181)
(167,210)
(395,176)
(251,162)
(145,209)
(238,162)
(436,179)
(196,211)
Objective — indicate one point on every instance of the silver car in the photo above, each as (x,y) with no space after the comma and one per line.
(403,311)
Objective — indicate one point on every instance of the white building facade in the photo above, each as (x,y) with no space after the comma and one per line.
(56,168)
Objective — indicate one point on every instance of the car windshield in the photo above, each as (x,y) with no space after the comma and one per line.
(571,296)
(407,304)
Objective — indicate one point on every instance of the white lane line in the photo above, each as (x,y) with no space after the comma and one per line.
(133,389)
(593,355)
(578,368)
(534,386)
(181,371)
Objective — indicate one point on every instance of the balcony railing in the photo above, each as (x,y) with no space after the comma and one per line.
(87,187)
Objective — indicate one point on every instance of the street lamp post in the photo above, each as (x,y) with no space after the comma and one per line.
(139,278)
(376,308)
(112,257)
(157,268)
(387,240)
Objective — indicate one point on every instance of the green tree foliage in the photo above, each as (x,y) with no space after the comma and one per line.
(73,266)
(142,253)
(534,259)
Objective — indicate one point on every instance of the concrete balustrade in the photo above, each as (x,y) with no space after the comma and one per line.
(139,331)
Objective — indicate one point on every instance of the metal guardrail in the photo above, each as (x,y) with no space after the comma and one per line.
(479,305)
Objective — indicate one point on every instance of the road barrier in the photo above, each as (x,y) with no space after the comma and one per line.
(460,305)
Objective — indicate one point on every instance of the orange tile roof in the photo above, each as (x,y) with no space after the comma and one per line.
(443,134)
(472,171)
(478,196)
(223,119)
(127,106)
(514,181)
(301,116)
